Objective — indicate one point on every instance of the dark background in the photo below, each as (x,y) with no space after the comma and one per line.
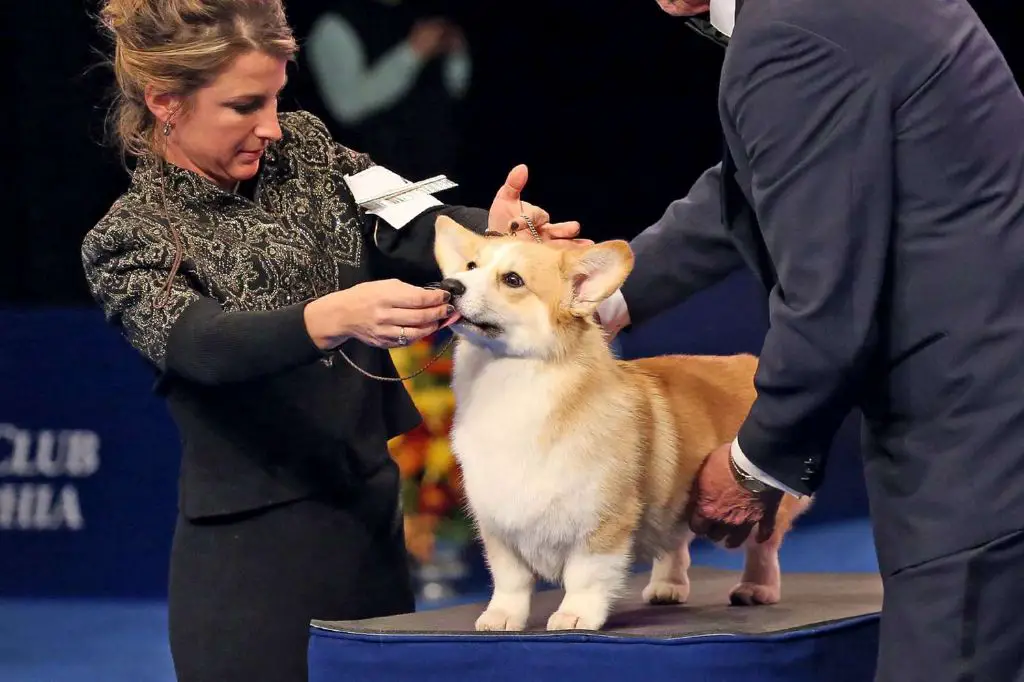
(613,110)
(613,106)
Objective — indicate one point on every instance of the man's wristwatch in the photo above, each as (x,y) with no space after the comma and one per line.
(746,481)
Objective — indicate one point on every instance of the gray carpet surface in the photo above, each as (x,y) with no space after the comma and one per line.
(807,599)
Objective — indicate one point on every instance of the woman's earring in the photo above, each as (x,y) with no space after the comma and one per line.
(167,128)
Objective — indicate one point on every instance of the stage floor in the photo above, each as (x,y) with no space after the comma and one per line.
(825,628)
(808,599)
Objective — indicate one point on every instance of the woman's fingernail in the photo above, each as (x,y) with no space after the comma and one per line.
(447,296)
(449,311)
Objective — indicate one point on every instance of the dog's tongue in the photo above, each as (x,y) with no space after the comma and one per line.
(452,320)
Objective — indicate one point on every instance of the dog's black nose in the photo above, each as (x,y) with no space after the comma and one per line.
(453,287)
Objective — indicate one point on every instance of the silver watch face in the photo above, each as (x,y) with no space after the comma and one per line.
(754,485)
(746,481)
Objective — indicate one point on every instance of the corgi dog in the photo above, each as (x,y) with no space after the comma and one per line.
(576,464)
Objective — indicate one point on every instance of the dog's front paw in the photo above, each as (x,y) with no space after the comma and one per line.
(563,620)
(497,620)
(665,592)
(567,620)
(755,594)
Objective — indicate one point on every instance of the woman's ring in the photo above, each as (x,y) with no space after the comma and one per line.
(402,338)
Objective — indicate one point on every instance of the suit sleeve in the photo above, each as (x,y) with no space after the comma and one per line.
(817,131)
(179,331)
(686,251)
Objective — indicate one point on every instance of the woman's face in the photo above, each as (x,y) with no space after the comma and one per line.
(227,124)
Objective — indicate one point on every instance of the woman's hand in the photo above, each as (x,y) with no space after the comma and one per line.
(384,314)
(508,207)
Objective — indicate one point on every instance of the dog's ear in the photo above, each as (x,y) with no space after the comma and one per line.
(454,245)
(594,273)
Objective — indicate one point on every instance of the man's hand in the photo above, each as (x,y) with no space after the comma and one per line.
(684,8)
(721,509)
(508,208)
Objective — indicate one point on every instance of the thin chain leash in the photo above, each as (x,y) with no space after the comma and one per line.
(448,344)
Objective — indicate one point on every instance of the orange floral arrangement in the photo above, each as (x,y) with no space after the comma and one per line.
(431,478)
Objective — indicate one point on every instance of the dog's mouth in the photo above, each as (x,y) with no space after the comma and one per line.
(481,327)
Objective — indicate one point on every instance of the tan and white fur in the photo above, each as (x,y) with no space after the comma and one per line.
(576,464)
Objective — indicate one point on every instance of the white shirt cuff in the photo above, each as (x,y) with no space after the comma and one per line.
(747,467)
(613,313)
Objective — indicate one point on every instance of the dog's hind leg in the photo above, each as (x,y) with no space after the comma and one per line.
(670,582)
(761,582)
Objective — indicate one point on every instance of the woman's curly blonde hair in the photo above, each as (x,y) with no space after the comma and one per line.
(178,46)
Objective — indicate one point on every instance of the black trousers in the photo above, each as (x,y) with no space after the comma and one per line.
(959,618)
(244,588)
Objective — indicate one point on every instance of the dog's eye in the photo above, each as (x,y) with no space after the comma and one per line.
(513,280)
(470,265)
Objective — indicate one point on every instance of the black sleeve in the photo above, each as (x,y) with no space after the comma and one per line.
(686,251)
(183,332)
(408,253)
(405,253)
(817,129)
(211,346)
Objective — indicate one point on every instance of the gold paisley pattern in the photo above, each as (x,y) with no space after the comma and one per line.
(302,237)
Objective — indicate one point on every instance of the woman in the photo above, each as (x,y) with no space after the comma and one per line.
(236,263)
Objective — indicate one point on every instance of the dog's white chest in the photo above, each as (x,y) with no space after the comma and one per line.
(534,494)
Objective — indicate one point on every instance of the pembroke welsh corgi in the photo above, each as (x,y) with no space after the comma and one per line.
(574,463)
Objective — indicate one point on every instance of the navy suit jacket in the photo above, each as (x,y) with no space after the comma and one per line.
(874,182)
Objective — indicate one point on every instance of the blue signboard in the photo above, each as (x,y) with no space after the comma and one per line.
(88,461)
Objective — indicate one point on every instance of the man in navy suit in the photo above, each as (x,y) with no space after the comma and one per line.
(873,180)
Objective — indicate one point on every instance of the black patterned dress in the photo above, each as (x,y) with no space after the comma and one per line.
(288,498)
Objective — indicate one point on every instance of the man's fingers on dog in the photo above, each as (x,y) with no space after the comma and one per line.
(569,243)
(566,230)
(538,215)
(737,536)
(698,524)
(514,184)
(716,532)
(765,528)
